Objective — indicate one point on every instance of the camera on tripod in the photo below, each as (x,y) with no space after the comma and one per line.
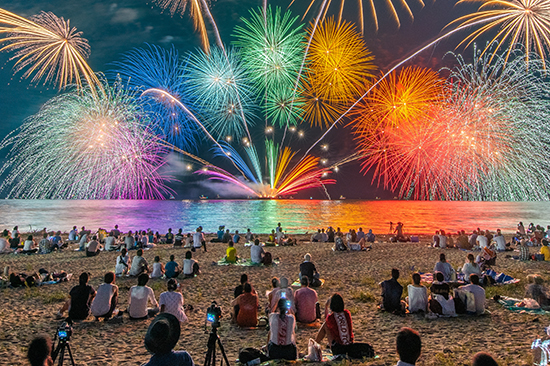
(64,332)
(213,314)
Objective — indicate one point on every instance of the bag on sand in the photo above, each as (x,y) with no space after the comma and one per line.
(314,351)
(267,258)
(252,356)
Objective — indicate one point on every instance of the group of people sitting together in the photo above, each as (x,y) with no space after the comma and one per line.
(352,240)
(11,242)
(138,265)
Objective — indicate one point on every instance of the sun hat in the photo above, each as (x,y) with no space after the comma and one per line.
(163,334)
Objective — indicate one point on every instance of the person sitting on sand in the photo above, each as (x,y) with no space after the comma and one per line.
(129,241)
(444,267)
(80,300)
(462,240)
(391,294)
(44,245)
(524,254)
(239,290)
(442,239)
(470,266)
(139,264)
(4,244)
(236,237)
(248,236)
(247,303)
(284,292)
(272,237)
(483,359)
(305,302)
(158,268)
(226,238)
(338,330)
(199,240)
(171,301)
(281,338)
(370,237)
(161,338)
(535,290)
(29,247)
(486,258)
(435,240)
(317,237)
(110,243)
(257,252)
(477,291)
(472,240)
(105,301)
(307,269)
(139,298)
(441,302)
(270,302)
(122,263)
(171,269)
(190,266)
(399,231)
(360,234)
(481,241)
(93,248)
(409,347)
(501,241)
(73,235)
(83,235)
(450,241)
(545,250)
(178,238)
(418,295)
(169,237)
(324,236)
(231,253)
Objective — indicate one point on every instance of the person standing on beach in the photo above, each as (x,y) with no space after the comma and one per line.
(139,264)
(409,347)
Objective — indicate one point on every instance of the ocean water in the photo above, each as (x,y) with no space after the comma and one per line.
(261,216)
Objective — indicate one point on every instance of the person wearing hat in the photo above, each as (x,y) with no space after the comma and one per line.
(161,338)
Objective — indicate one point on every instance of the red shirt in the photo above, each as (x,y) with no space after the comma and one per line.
(248,310)
(339,325)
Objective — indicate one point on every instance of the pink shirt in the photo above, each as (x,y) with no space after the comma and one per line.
(305,299)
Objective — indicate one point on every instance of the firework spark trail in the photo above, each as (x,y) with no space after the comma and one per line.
(81,145)
(155,67)
(47,47)
(399,64)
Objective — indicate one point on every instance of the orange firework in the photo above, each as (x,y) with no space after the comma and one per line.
(339,65)
(47,47)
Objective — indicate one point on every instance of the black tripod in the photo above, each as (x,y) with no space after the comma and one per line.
(60,351)
(210,359)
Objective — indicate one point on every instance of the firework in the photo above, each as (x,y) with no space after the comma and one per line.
(157,68)
(389,4)
(86,147)
(403,97)
(221,87)
(46,47)
(522,23)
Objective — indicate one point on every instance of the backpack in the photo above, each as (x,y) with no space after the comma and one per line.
(249,354)
(267,258)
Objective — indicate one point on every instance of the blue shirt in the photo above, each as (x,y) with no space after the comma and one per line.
(236,238)
(220,234)
(179,358)
(170,269)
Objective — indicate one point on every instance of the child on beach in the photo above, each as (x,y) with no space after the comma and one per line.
(158,268)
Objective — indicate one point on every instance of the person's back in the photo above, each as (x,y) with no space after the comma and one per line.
(545,250)
(442,240)
(477,291)
(418,295)
(129,241)
(81,297)
(226,237)
(481,241)
(248,308)
(305,302)
(483,359)
(444,267)
(169,237)
(501,242)
(140,296)
(171,267)
(256,252)
(139,264)
(106,297)
(308,269)
(231,253)
(391,293)
(409,347)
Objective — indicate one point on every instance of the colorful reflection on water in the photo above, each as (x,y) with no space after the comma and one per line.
(296,216)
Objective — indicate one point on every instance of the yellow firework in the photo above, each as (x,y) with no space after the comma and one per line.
(389,4)
(519,23)
(339,65)
(196,8)
(46,47)
(399,99)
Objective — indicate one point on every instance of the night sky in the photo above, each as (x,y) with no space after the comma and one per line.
(114,27)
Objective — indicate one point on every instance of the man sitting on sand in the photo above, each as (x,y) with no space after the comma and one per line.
(409,347)
(129,241)
(110,243)
(171,269)
(226,238)
(257,252)
(122,263)
(139,264)
(477,291)
(360,234)
(444,267)
(307,269)
(317,237)
(391,294)
(93,248)
(81,297)
(73,235)
(4,244)
(370,237)
(231,253)
(441,302)
(307,307)
(106,297)
(140,296)
(161,338)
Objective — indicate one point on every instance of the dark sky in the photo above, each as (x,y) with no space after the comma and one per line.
(114,27)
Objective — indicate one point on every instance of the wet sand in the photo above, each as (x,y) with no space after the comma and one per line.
(508,336)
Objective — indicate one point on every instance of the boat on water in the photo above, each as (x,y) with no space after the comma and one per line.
(171,197)
(203,197)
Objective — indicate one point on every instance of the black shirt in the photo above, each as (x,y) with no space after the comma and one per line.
(308,269)
(391,294)
(80,301)
(238,291)
(169,238)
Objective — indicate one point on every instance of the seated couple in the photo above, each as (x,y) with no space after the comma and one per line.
(468,299)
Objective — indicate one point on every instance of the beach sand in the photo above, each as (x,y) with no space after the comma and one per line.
(25,313)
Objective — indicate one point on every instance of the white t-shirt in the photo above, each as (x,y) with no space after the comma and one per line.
(418,298)
(256,253)
(481,241)
(139,297)
(442,241)
(4,245)
(102,300)
(282,339)
(479,295)
(72,235)
(137,264)
(129,241)
(188,266)
(501,242)
(197,239)
(173,304)
(445,268)
(109,242)
(121,268)
(157,270)
(28,245)
(470,268)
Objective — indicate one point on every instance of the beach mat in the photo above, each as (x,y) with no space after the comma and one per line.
(69,276)
(501,278)
(245,263)
(510,304)
(298,284)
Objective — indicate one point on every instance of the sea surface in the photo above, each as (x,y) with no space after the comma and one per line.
(261,216)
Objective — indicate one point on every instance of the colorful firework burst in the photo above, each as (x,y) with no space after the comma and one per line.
(86,147)
(46,47)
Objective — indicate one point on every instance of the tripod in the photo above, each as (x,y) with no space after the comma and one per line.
(210,359)
(60,351)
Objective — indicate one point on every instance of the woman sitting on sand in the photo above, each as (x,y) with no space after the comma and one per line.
(284,292)
(418,295)
(338,330)
(140,296)
(29,247)
(441,302)
(470,266)
(171,301)
(281,338)
(122,263)
(248,307)
(536,290)
(158,268)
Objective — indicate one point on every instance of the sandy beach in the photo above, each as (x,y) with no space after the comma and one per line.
(446,341)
